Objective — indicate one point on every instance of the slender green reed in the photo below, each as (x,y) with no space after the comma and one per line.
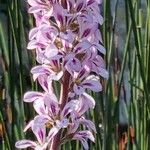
(122,113)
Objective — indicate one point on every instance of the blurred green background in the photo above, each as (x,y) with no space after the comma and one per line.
(122,113)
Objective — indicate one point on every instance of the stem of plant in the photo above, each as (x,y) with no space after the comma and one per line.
(63,99)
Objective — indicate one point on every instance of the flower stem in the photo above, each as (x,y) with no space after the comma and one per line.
(64,3)
(56,142)
(63,100)
(64,89)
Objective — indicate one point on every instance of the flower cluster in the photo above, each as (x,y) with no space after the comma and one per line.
(69,50)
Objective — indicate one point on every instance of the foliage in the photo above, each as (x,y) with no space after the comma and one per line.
(122,114)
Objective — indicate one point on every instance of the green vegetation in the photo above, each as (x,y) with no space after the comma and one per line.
(122,113)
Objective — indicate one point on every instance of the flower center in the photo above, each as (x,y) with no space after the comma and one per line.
(74,26)
(58,43)
(49,125)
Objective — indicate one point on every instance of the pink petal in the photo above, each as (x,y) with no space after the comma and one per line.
(54,130)
(69,107)
(32,45)
(50,12)
(83,72)
(78,89)
(40,120)
(32,33)
(40,56)
(32,96)
(33,2)
(59,75)
(89,124)
(80,4)
(70,4)
(52,104)
(92,84)
(29,125)
(86,30)
(98,35)
(73,127)
(73,65)
(49,33)
(35,9)
(85,144)
(97,16)
(68,36)
(45,83)
(39,129)
(40,70)
(62,123)
(59,14)
(100,48)
(82,46)
(86,102)
(104,73)
(39,107)
(89,2)
(88,99)
(51,51)
(25,144)
(84,134)
(56,76)
(98,66)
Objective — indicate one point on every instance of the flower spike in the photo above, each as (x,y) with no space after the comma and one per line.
(69,50)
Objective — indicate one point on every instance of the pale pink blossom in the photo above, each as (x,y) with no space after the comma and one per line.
(69,51)
(39,130)
(83,136)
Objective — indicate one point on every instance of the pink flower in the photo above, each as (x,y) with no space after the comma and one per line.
(83,136)
(47,106)
(39,130)
(82,80)
(44,7)
(85,102)
(96,63)
(68,46)
(52,74)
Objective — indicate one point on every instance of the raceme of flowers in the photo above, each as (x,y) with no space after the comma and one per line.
(69,50)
